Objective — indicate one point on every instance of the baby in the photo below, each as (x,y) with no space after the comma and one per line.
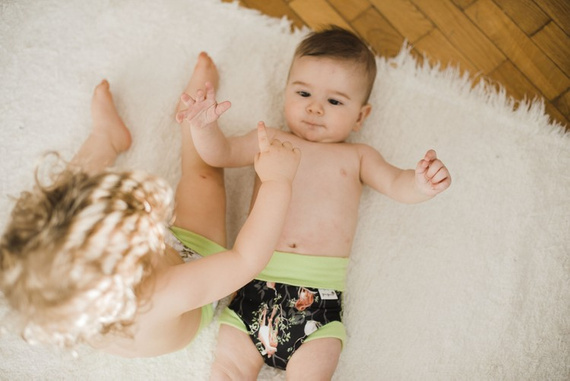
(84,258)
(290,316)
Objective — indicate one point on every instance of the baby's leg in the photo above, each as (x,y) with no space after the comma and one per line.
(200,196)
(315,360)
(109,135)
(236,357)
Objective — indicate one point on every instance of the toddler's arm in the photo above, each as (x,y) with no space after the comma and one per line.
(409,186)
(212,145)
(218,275)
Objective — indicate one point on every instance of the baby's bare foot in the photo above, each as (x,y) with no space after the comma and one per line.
(106,121)
(204,71)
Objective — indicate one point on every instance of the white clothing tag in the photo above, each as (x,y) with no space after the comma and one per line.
(327,294)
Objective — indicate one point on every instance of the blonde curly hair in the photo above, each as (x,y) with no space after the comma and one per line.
(74,254)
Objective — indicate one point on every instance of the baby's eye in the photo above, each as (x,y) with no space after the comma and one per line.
(334,102)
(304,94)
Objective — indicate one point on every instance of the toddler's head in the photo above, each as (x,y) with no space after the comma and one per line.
(74,254)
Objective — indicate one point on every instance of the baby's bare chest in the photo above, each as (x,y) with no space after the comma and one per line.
(322,167)
(327,181)
(324,209)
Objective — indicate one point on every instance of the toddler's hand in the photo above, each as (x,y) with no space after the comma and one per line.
(203,110)
(275,161)
(432,177)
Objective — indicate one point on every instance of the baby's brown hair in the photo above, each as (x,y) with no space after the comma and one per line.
(338,43)
(75,252)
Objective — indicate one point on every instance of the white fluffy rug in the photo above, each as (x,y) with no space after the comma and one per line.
(473,285)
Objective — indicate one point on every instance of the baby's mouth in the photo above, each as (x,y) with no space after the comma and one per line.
(313,125)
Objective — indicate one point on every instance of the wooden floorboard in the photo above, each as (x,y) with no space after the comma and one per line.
(379,33)
(526,14)
(519,48)
(318,13)
(405,17)
(522,45)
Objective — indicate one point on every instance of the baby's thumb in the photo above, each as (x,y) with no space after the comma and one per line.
(222,107)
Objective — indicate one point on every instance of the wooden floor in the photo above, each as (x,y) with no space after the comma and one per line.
(522,44)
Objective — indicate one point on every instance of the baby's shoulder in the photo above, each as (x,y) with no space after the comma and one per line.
(363,148)
(356,148)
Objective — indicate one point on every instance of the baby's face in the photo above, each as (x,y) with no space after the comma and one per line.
(324,99)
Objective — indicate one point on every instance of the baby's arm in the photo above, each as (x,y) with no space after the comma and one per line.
(408,186)
(205,280)
(212,145)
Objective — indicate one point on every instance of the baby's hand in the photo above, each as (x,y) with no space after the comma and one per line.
(203,110)
(432,177)
(275,161)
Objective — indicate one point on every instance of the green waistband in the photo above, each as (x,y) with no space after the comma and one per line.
(206,317)
(294,269)
(306,270)
(196,242)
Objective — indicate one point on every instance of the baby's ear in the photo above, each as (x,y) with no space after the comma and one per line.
(364,112)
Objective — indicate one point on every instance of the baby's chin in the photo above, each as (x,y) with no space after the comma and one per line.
(318,139)
(307,135)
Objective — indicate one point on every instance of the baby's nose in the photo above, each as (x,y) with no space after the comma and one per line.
(315,108)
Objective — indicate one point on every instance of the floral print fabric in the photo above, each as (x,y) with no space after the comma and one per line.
(279,317)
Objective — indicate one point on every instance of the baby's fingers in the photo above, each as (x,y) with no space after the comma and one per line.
(422,167)
(222,107)
(442,184)
(210,92)
(439,176)
(425,163)
(187,99)
(200,95)
(430,155)
(433,168)
(262,138)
